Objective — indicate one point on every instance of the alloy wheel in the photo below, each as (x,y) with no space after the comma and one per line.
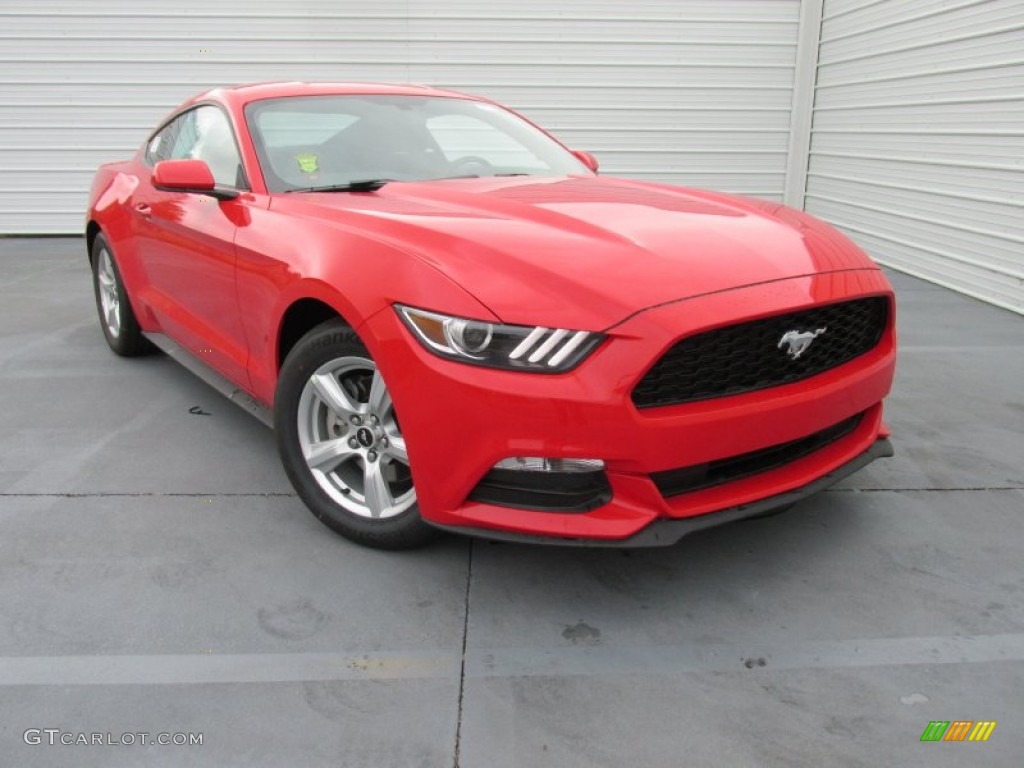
(110,299)
(351,440)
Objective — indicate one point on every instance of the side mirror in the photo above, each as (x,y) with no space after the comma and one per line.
(587,159)
(192,176)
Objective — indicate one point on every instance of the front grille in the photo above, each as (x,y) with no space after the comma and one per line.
(673,482)
(747,357)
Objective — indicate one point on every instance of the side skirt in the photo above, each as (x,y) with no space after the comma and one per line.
(220,383)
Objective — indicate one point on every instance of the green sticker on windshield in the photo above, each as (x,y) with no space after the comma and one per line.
(307,162)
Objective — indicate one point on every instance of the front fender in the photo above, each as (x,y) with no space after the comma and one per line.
(348,271)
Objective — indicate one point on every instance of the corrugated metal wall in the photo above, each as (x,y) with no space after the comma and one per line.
(917,138)
(917,146)
(694,92)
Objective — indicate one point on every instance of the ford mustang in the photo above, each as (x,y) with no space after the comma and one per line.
(451,321)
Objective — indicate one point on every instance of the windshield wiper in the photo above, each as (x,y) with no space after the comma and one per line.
(477,176)
(361,185)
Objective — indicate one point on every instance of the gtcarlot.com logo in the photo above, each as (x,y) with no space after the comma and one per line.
(54,736)
(958,730)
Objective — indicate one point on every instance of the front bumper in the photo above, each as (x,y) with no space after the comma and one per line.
(460,420)
(665,532)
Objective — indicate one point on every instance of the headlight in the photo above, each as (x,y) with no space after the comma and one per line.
(514,347)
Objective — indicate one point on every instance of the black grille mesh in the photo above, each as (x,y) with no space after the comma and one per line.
(746,357)
(673,482)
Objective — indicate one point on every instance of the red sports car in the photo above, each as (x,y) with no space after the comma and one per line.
(453,322)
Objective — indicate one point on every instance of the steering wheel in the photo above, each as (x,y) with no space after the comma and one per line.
(471,164)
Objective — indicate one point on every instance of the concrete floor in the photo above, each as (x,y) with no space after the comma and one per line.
(157,574)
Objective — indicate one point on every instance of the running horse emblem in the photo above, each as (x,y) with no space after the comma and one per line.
(799,341)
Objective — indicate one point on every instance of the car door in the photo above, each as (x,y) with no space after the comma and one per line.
(185,242)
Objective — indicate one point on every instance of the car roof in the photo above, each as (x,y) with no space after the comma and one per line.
(240,95)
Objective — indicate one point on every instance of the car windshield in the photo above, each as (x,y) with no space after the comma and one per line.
(331,141)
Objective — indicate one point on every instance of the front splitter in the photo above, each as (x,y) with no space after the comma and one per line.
(665,532)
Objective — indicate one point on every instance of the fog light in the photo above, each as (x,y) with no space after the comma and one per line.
(537,464)
(546,485)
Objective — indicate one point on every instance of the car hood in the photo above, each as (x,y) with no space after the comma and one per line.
(586,252)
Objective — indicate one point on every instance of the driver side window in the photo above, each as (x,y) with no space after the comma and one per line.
(204,134)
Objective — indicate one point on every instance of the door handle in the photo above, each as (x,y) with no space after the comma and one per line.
(143,209)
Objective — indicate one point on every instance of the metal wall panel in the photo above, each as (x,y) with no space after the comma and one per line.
(917,139)
(693,92)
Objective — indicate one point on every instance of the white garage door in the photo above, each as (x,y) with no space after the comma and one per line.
(917,144)
(691,91)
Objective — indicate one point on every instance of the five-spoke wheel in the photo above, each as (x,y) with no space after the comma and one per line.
(110,302)
(342,443)
(351,440)
(117,320)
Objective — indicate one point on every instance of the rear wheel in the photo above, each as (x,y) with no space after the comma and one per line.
(120,328)
(341,442)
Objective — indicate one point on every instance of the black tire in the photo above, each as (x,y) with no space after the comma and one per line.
(359,423)
(119,326)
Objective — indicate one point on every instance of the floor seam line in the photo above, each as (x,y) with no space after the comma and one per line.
(175,494)
(462,663)
(970,489)
(286,495)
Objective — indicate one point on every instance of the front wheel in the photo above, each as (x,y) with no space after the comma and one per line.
(341,442)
